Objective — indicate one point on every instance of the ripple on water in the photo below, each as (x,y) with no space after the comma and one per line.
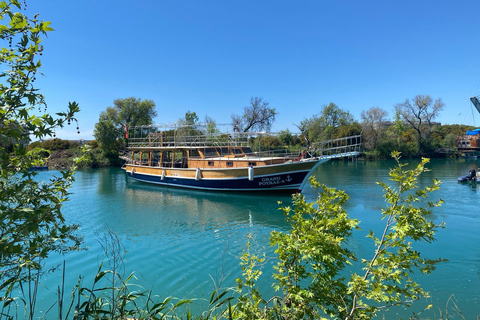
(177,241)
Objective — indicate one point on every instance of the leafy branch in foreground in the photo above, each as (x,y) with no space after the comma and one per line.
(32,225)
(387,278)
(314,260)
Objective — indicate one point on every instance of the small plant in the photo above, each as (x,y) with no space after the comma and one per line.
(315,277)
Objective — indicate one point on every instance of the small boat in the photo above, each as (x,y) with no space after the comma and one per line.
(199,158)
(470,177)
(38,168)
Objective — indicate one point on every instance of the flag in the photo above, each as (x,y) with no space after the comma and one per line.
(126,131)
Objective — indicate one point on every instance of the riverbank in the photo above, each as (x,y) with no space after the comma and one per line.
(63,154)
(91,157)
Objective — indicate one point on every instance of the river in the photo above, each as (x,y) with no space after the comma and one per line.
(182,243)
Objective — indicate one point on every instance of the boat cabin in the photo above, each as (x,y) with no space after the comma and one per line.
(198,157)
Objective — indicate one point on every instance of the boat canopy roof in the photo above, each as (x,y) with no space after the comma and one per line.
(473,132)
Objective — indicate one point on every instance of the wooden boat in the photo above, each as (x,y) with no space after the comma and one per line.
(469,145)
(195,158)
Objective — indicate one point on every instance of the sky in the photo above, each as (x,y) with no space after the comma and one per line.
(210,57)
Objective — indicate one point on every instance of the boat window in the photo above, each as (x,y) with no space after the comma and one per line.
(247,151)
(252,164)
(224,151)
(210,163)
(237,151)
(194,153)
(210,152)
(229,163)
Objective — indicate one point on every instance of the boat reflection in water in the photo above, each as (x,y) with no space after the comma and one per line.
(198,210)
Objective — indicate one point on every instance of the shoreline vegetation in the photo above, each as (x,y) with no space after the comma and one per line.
(62,154)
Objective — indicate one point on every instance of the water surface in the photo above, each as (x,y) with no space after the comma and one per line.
(182,243)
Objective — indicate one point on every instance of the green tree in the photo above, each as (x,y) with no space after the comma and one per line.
(113,124)
(132,111)
(107,134)
(324,125)
(257,116)
(210,126)
(315,278)
(32,225)
(419,115)
(191,118)
(187,127)
(289,139)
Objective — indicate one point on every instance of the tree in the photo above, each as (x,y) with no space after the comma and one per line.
(113,123)
(257,116)
(191,118)
(132,112)
(289,139)
(187,127)
(107,134)
(32,225)
(324,125)
(312,279)
(372,124)
(420,114)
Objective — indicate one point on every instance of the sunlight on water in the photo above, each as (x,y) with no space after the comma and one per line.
(182,243)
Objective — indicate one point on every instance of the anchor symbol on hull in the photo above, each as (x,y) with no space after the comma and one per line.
(288,179)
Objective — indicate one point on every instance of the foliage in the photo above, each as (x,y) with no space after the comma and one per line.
(187,126)
(107,135)
(53,144)
(257,116)
(131,111)
(373,126)
(347,130)
(211,128)
(311,277)
(387,278)
(63,154)
(289,139)
(419,114)
(190,118)
(111,129)
(324,125)
(32,225)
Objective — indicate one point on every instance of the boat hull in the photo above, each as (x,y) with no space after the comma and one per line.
(468,179)
(288,177)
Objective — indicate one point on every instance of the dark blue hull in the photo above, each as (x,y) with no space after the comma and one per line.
(467,179)
(291,181)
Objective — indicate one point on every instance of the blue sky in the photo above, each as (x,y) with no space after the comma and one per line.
(212,56)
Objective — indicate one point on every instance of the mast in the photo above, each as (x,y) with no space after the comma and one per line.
(476,103)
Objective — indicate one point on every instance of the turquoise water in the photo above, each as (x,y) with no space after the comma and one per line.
(183,243)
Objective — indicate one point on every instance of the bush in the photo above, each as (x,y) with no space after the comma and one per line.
(313,257)
(59,144)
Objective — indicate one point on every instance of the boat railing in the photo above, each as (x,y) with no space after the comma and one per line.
(184,136)
(351,144)
(176,136)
